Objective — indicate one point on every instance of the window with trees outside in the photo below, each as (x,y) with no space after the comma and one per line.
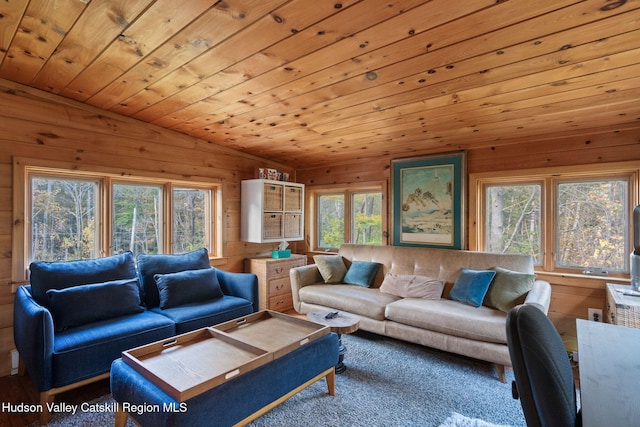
(353,215)
(570,219)
(72,215)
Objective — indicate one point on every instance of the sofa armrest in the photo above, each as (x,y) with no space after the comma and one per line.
(34,337)
(540,295)
(243,285)
(301,277)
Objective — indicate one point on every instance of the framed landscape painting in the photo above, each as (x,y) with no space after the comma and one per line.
(428,200)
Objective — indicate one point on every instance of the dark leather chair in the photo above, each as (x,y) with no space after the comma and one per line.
(544,380)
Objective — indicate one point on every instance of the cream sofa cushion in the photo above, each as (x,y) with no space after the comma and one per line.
(352,298)
(451,318)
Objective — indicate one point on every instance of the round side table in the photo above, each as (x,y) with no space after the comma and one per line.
(340,323)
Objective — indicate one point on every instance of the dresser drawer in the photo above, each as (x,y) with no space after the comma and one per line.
(279,286)
(281,302)
(276,270)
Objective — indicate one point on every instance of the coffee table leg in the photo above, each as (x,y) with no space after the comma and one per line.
(341,367)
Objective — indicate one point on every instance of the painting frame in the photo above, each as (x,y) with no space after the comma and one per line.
(428,200)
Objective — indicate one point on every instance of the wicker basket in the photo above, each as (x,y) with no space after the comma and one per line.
(622,309)
(272,197)
(272,226)
(293,199)
(292,225)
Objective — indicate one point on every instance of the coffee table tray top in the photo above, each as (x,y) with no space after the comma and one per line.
(273,331)
(192,363)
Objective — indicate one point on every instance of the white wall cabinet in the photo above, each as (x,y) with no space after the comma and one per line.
(272,211)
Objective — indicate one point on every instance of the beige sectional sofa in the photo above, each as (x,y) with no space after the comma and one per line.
(442,323)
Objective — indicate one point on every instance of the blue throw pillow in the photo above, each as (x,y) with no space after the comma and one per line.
(471,286)
(79,305)
(63,274)
(150,265)
(187,287)
(361,273)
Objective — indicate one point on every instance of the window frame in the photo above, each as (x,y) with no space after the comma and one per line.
(549,177)
(24,169)
(313,194)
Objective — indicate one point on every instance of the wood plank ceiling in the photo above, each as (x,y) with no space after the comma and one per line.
(313,83)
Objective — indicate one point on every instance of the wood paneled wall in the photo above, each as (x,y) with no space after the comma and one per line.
(572,295)
(42,126)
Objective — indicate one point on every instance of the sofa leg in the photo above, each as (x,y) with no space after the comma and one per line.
(45,400)
(121,416)
(501,375)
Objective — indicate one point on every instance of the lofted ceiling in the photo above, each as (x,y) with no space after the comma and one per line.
(309,83)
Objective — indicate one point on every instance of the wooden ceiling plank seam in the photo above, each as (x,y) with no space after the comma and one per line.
(417,77)
(260,32)
(305,96)
(196,38)
(40,31)
(13,13)
(347,56)
(97,27)
(195,92)
(144,34)
(531,67)
(632,24)
(537,94)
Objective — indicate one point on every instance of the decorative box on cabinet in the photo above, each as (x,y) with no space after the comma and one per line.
(273,280)
(271,211)
(622,309)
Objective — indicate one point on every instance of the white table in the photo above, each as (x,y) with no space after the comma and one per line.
(609,364)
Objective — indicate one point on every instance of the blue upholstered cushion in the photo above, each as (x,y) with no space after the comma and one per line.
(187,286)
(361,273)
(83,304)
(150,265)
(471,286)
(200,314)
(331,268)
(88,350)
(64,274)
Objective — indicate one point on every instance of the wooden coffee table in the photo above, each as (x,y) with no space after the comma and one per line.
(340,323)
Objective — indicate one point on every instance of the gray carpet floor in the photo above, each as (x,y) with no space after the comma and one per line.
(387,383)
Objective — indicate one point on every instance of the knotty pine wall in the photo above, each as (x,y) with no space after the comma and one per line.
(42,126)
(572,295)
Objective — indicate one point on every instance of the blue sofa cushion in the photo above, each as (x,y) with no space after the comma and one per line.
(471,286)
(187,286)
(89,303)
(64,274)
(150,265)
(201,314)
(88,350)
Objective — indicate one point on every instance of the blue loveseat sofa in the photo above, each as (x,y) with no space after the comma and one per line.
(75,318)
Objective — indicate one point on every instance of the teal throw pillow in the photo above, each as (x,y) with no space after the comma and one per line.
(508,289)
(331,267)
(471,286)
(186,287)
(82,304)
(361,273)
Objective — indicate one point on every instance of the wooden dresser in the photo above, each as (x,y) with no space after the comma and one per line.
(273,280)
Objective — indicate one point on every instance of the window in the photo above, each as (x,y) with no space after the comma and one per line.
(71,214)
(513,222)
(353,215)
(574,219)
(63,218)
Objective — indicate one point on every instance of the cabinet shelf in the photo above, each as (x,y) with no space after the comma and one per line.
(271,211)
